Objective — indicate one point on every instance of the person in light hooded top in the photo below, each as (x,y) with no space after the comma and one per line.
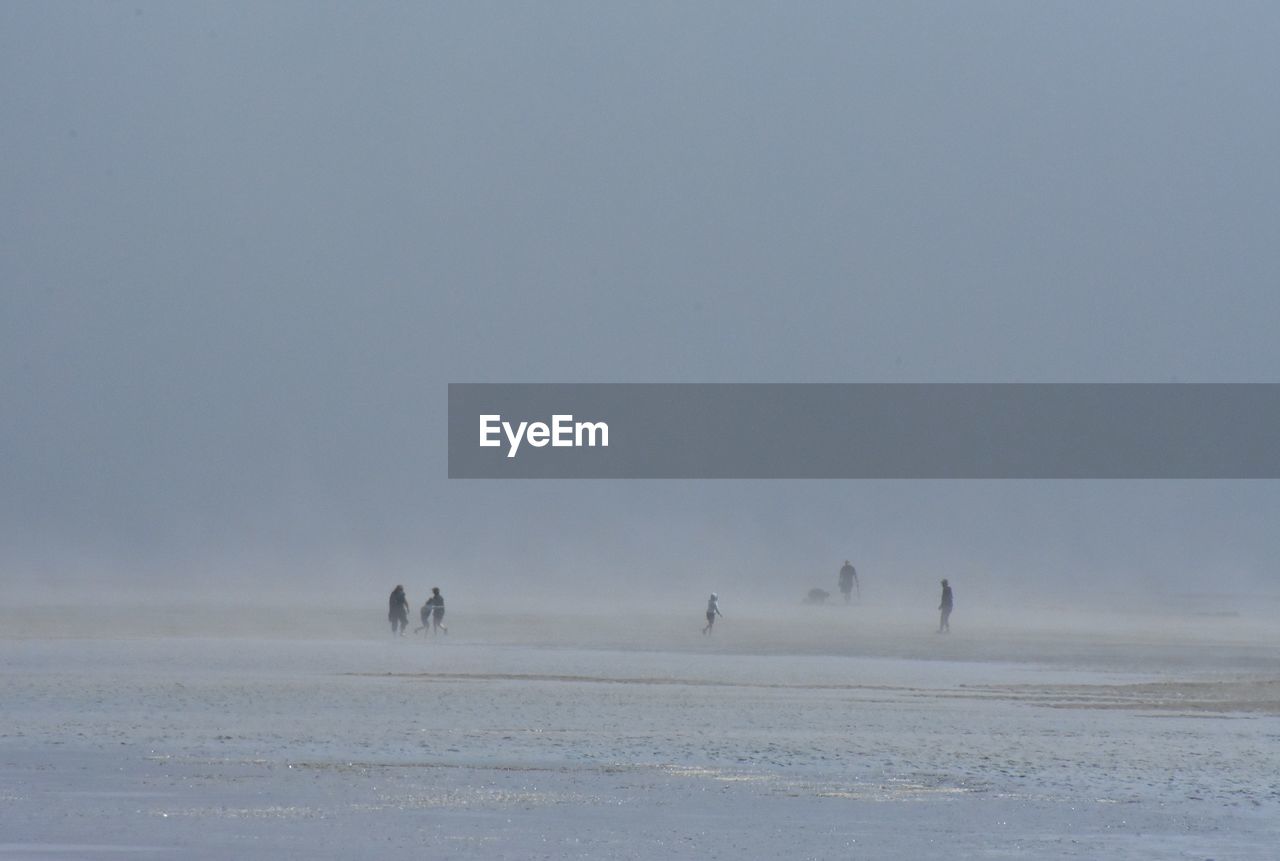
(713,610)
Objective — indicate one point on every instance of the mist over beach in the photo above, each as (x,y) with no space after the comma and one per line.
(245,249)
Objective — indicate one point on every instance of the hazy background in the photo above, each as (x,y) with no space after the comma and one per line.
(244,247)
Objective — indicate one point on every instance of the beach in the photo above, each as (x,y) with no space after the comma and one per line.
(590,737)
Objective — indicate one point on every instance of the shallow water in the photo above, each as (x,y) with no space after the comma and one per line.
(634,738)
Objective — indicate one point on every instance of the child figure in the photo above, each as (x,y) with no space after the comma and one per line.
(713,610)
(425,615)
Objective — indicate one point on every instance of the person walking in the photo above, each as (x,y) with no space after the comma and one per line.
(948,601)
(436,603)
(713,610)
(398,611)
(849,580)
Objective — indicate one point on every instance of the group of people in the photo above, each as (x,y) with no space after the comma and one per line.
(849,582)
(431,614)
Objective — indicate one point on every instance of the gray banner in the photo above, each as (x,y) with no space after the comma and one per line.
(1210,430)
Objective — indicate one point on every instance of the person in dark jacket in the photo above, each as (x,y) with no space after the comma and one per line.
(436,606)
(398,611)
(944,621)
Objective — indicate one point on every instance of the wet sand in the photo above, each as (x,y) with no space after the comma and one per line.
(833,735)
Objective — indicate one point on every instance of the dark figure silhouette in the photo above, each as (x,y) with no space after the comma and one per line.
(398,611)
(436,603)
(849,581)
(944,621)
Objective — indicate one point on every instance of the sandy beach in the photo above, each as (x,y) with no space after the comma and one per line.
(829,735)
(597,316)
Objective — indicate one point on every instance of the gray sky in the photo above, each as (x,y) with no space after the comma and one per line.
(244,247)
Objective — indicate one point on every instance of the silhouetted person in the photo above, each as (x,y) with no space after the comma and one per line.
(944,621)
(398,611)
(713,610)
(849,580)
(436,603)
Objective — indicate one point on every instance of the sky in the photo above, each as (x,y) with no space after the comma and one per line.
(245,247)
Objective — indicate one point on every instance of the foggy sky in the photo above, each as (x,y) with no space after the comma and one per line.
(244,247)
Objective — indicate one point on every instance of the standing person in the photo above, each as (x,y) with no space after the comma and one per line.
(713,610)
(398,611)
(944,621)
(436,603)
(848,580)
